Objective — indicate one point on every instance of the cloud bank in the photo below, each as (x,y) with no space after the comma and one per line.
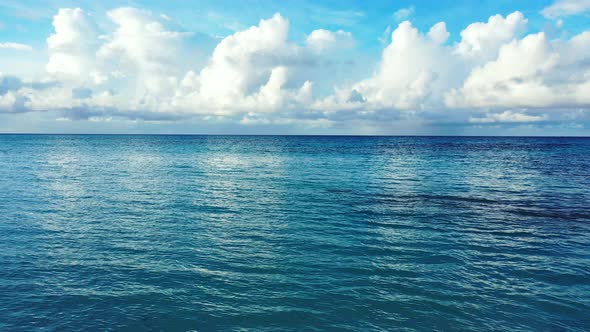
(496,72)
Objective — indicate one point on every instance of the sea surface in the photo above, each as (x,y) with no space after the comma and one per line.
(267,233)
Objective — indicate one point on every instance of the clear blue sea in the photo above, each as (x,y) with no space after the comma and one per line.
(267,233)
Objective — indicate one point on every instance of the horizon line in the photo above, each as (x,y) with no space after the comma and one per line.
(287,135)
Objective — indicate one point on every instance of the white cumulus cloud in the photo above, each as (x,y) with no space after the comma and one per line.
(72,46)
(482,41)
(322,40)
(531,72)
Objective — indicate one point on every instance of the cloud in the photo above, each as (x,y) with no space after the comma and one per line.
(531,72)
(408,69)
(404,13)
(81,93)
(144,47)
(242,62)
(16,46)
(248,72)
(135,67)
(508,117)
(562,8)
(413,71)
(72,46)
(482,41)
(490,67)
(141,67)
(14,92)
(10,100)
(438,33)
(334,17)
(9,83)
(324,40)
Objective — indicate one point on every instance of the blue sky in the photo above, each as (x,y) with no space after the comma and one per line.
(29,21)
(319,67)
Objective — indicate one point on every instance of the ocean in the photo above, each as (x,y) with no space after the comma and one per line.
(290,233)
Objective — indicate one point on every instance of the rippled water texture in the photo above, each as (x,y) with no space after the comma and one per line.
(348,233)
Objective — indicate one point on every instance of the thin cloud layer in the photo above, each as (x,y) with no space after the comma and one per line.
(16,46)
(562,8)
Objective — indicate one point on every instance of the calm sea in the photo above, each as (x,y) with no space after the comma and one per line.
(294,233)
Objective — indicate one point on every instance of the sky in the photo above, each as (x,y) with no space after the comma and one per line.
(421,67)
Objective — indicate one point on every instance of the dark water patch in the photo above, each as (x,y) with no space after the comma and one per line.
(549,214)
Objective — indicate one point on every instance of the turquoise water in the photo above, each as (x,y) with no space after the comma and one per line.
(294,233)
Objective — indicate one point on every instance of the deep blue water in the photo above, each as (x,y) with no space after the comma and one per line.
(294,233)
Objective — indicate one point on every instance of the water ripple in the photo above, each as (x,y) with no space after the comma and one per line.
(190,233)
